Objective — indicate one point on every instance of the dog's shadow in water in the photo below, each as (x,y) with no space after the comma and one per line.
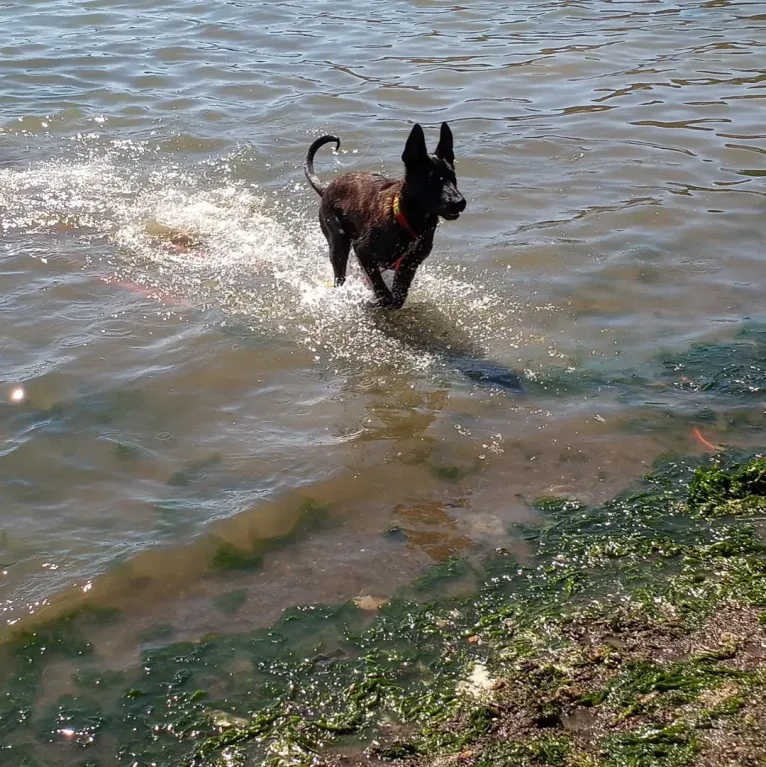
(423,328)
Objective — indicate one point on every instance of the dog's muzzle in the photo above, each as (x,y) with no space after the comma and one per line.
(454,209)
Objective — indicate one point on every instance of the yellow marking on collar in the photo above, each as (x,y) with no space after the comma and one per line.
(401,219)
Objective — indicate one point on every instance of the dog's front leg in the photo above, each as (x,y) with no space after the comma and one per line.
(401,287)
(406,273)
(365,250)
(383,297)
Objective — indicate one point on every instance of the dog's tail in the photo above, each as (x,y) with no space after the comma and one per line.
(308,166)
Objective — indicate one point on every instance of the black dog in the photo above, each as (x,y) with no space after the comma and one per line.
(390,223)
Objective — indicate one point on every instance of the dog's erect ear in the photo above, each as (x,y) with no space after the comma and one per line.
(444,147)
(415,150)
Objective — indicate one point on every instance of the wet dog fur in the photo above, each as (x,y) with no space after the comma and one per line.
(357,210)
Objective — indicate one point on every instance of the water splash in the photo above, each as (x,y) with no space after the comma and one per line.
(211,239)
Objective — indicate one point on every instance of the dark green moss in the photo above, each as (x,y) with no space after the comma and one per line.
(444,471)
(227,557)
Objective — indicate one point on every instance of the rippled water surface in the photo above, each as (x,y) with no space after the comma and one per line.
(176,374)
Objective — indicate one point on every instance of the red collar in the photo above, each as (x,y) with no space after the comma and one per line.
(401,219)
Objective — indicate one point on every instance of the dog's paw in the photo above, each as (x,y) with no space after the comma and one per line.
(380,303)
(386,303)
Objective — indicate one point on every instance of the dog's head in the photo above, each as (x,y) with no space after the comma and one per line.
(431,177)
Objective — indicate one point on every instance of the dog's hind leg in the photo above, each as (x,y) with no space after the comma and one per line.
(339,242)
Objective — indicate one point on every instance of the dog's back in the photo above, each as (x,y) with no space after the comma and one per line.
(362,201)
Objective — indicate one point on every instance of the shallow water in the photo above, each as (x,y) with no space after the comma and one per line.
(159,399)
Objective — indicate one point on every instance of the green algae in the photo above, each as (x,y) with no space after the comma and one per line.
(733,369)
(718,382)
(227,556)
(660,559)
(440,576)
(742,490)
(650,747)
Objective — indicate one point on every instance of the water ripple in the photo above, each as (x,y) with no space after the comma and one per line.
(613,156)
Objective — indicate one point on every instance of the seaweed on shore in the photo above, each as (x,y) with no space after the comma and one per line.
(635,638)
